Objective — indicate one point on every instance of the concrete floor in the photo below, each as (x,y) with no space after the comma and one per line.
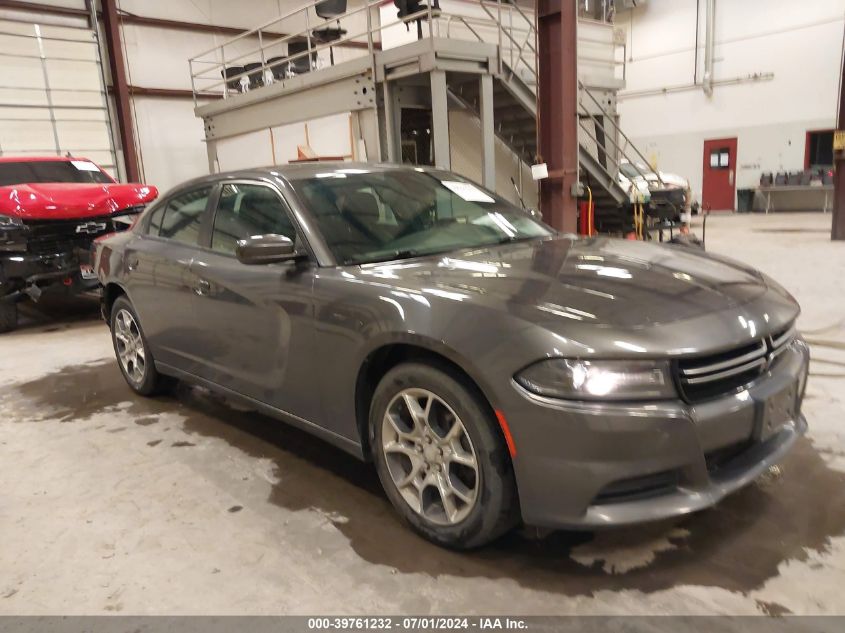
(182,505)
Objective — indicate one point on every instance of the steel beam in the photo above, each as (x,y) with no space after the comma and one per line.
(392,123)
(440,119)
(488,133)
(557,125)
(211,151)
(837,231)
(111,26)
(311,103)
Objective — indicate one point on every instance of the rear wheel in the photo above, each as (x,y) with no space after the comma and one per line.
(8,315)
(440,457)
(133,353)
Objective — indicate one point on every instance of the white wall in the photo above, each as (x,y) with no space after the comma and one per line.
(799,42)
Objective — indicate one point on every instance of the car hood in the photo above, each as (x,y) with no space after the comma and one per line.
(603,282)
(71,201)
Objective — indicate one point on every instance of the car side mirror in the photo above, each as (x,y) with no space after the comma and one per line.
(265,249)
(534,213)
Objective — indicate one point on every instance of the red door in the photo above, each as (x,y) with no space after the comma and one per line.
(719,185)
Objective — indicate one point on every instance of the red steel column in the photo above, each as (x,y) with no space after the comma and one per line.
(111,26)
(557,110)
(837,231)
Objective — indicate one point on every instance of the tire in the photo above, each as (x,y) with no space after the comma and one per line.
(8,316)
(482,500)
(129,343)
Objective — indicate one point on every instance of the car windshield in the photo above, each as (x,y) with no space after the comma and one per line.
(20,172)
(635,171)
(380,215)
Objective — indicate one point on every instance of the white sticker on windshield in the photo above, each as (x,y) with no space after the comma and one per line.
(85,165)
(467,191)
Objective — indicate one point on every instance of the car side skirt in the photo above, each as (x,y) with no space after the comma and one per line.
(344,443)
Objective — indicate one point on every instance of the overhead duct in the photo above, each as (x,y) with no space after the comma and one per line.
(709,45)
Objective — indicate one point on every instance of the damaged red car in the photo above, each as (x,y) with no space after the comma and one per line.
(51,210)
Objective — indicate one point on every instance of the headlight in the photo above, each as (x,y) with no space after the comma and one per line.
(12,234)
(124,221)
(598,379)
(8,222)
(127,217)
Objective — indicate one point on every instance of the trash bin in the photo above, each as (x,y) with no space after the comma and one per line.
(744,200)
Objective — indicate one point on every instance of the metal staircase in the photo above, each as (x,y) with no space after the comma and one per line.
(603,146)
(455,50)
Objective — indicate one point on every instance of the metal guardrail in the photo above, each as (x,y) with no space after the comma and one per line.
(615,130)
(502,23)
(508,25)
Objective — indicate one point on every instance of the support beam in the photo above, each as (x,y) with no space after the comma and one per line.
(392,124)
(440,119)
(488,133)
(557,125)
(837,231)
(211,151)
(114,48)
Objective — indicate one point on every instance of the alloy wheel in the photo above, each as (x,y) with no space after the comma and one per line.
(130,346)
(430,456)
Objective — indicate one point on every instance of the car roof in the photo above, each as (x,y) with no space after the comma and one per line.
(294,171)
(39,159)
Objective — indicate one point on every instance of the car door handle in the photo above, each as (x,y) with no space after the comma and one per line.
(132,263)
(202,288)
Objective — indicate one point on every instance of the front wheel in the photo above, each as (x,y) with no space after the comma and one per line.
(440,456)
(132,351)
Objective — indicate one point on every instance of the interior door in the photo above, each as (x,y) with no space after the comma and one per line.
(719,182)
(259,317)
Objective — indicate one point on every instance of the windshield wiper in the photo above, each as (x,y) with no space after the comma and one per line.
(510,239)
(389,257)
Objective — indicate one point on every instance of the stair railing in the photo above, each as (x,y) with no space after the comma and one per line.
(516,50)
(616,130)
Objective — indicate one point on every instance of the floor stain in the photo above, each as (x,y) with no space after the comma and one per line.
(57,313)
(737,546)
(147,421)
(773,608)
(234,509)
(154,443)
(182,443)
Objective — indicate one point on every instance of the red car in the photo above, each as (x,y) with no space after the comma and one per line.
(51,210)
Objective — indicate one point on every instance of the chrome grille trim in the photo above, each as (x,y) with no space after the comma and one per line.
(733,371)
(711,376)
(758,353)
(780,342)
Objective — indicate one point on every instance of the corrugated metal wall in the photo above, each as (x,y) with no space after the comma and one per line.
(52,96)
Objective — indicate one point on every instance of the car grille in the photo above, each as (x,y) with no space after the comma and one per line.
(705,377)
(721,458)
(636,488)
(47,237)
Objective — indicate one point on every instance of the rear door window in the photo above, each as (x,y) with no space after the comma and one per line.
(181,218)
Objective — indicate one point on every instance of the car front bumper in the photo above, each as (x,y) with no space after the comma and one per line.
(589,465)
(20,271)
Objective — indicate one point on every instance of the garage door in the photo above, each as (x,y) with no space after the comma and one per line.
(52,100)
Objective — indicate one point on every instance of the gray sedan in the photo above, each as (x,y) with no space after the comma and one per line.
(495,372)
